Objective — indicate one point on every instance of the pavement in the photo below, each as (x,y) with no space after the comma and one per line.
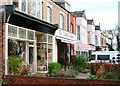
(83,75)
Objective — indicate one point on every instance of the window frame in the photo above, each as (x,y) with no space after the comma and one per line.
(49,14)
(61,21)
(78,33)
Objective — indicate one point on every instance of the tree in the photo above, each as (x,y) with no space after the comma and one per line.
(113,33)
(118,38)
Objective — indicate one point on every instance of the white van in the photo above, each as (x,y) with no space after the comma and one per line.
(103,56)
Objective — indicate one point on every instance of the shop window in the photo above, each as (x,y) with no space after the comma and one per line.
(16,48)
(30,35)
(49,39)
(42,38)
(22,33)
(12,31)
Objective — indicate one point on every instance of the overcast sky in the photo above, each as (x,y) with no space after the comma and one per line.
(103,11)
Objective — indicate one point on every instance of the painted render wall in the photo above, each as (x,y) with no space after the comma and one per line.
(56,10)
(98,34)
(91,29)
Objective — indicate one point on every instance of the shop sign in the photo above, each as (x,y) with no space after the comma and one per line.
(64,35)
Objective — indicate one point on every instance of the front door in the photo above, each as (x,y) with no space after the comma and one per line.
(31,55)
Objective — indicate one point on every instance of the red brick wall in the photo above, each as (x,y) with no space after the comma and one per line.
(73,22)
(2,41)
(26,80)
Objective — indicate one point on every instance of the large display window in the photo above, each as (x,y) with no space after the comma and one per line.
(21,42)
(44,51)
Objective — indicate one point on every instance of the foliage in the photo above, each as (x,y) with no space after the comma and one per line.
(80,63)
(105,70)
(14,62)
(24,70)
(65,74)
(110,75)
(62,61)
(54,67)
(93,77)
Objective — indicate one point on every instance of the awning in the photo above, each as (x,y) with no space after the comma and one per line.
(65,36)
(23,20)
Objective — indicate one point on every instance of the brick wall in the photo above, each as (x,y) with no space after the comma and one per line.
(2,40)
(27,80)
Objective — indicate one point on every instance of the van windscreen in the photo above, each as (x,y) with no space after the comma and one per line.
(92,57)
(103,57)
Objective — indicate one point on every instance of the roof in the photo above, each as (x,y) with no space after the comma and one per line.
(97,28)
(79,13)
(90,22)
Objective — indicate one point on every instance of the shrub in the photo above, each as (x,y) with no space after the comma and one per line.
(14,62)
(54,67)
(62,61)
(80,63)
(110,75)
(65,74)
(93,77)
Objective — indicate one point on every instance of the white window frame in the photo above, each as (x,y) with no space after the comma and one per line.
(49,14)
(26,39)
(78,33)
(61,21)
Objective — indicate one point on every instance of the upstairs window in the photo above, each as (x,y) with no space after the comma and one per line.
(78,32)
(49,14)
(38,8)
(61,21)
(23,6)
(31,7)
(71,27)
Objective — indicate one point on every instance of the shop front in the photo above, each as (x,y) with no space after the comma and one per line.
(29,38)
(65,45)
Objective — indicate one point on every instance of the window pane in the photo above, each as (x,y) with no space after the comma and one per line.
(24,5)
(42,38)
(78,33)
(61,21)
(32,7)
(49,53)
(49,39)
(92,57)
(38,8)
(48,14)
(103,57)
(22,33)
(12,31)
(30,35)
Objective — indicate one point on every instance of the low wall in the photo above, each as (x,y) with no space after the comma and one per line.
(27,80)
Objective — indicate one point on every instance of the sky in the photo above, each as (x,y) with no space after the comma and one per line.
(103,11)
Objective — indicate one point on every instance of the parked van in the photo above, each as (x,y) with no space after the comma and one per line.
(103,56)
